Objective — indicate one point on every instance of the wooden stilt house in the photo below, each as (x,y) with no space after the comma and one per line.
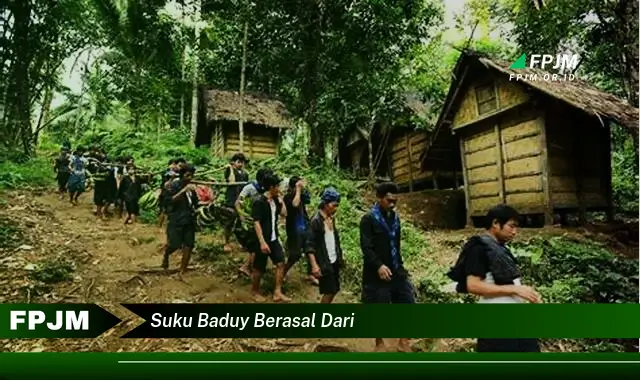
(539,145)
(218,123)
(397,153)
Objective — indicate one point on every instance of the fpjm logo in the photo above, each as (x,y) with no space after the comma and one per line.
(67,320)
(564,63)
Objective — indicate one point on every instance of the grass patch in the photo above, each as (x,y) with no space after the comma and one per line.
(11,234)
(34,173)
(53,271)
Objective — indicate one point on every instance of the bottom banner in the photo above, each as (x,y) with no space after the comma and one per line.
(157,366)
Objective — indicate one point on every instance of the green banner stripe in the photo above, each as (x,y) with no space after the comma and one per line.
(314,365)
(340,321)
(388,321)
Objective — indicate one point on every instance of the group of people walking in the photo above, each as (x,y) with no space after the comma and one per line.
(485,268)
(114,183)
(251,212)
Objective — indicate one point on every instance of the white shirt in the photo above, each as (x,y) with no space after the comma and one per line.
(502,299)
(248,191)
(330,243)
(272,203)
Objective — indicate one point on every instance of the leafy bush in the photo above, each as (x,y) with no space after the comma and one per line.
(33,173)
(578,272)
(624,176)
(566,271)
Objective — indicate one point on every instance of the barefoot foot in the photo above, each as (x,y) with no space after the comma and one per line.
(281,298)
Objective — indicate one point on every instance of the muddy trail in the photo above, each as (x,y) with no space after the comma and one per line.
(109,263)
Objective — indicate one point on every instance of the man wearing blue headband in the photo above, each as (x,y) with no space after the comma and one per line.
(384,278)
(323,246)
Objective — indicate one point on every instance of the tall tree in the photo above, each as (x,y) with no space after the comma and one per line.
(197,9)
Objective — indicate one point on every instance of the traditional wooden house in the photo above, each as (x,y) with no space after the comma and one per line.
(397,152)
(539,145)
(218,127)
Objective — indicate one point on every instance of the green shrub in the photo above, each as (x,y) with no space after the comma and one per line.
(33,173)
(53,271)
(578,272)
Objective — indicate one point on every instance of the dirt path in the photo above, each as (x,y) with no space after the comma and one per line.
(111,264)
(112,261)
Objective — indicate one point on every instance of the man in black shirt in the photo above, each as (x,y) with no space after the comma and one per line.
(233,174)
(297,223)
(323,246)
(130,192)
(384,278)
(101,189)
(167,176)
(61,168)
(265,211)
(487,268)
(181,229)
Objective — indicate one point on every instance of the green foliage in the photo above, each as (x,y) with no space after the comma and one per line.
(624,172)
(34,173)
(53,271)
(37,37)
(579,272)
(148,216)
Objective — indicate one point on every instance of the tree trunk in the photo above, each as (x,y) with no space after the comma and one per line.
(628,14)
(20,105)
(44,114)
(242,80)
(194,90)
(372,172)
(183,71)
(312,46)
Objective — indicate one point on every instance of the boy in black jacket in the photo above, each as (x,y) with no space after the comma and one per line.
(323,246)
(487,268)
(384,278)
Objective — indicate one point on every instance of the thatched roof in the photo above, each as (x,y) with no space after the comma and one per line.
(225,105)
(577,93)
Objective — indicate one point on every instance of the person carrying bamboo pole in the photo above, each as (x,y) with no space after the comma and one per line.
(181,229)
(61,168)
(79,172)
(234,173)
(167,176)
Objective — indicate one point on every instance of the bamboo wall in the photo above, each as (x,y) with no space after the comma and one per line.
(406,150)
(259,141)
(508,95)
(503,165)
